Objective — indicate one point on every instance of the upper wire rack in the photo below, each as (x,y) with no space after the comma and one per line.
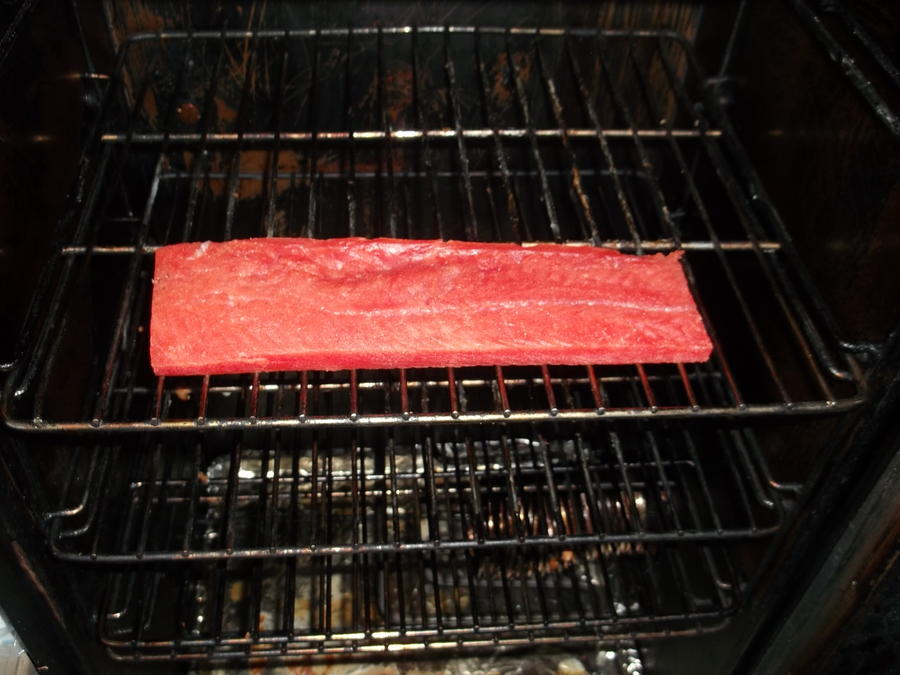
(574,136)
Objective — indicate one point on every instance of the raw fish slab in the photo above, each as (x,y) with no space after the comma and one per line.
(334,304)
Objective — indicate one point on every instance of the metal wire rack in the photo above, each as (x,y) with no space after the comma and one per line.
(395,603)
(869,66)
(322,493)
(575,136)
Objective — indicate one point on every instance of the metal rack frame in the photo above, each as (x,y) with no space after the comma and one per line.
(314,494)
(844,37)
(418,602)
(623,198)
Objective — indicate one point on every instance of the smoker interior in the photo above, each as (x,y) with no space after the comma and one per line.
(295,515)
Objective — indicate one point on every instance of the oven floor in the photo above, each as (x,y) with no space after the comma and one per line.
(605,660)
(13,659)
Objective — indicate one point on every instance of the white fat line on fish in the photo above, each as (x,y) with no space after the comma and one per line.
(510,305)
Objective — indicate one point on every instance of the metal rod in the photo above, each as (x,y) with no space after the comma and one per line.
(648,390)
(513,208)
(848,64)
(548,391)
(201,156)
(386,150)
(554,516)
(624,111)
(303,402)
(615,244)
(426,147)
(226,533)
(243,34)
(331,420)
(350,186)
(603,135)
(313,124)
(577,194)
(204,400)
(197,467)
(522,98)
(739,201)
(471,220)
(253,401)
(232,189)
(398,136)
(502,393)
(275,149)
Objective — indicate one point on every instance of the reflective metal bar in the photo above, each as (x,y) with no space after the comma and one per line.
(648,390)
(554,516)
(397,136)
(472,233)
(522,99)
(580,201)
(426,148)
(313,159)
(512,204)
(271,185)
(200,158)
(502,393)
(603,135)
(112,362)
(453,392)
(738,202)
(404,395)
(253,401)
(548,390)
(303,403)
(350,185)
(386,151)
(624,245)
(232,189)
(204,400)
(197,468)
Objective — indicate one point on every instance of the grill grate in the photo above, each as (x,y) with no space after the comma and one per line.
(394,603)
(573,136)
(315,493)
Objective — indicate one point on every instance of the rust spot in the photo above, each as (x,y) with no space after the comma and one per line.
(151,110)
(502,86)
(251,161)
(188,113)
(397,94)
(137,16)
(257,161)
(224,111)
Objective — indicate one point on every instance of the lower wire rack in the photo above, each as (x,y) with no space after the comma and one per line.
(278,494)
(275,545)
(395,603)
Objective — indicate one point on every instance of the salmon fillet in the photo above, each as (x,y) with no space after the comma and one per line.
(304,304)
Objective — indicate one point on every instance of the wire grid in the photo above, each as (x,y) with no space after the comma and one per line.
(279,494)
(415,602)
(866,63)
(578,137)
